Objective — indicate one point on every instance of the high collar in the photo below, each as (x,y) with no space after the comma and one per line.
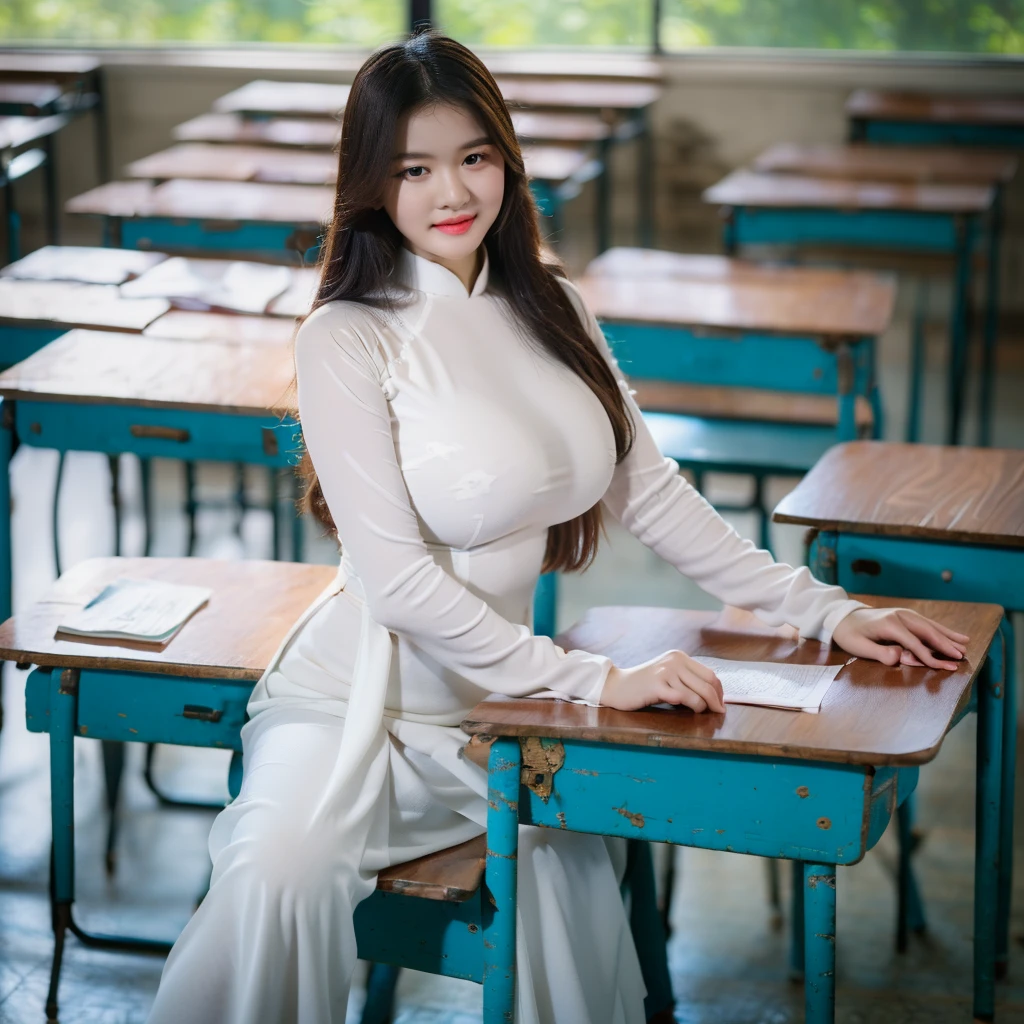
(423,275)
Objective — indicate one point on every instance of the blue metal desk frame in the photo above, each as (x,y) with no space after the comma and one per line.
(899,567)
(896,230)
(822,815)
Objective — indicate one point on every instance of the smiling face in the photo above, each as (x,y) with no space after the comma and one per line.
(446,187)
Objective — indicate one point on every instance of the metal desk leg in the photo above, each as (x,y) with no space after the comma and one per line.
(146,483)
(102,128)
(1005,895)
(959,333)
(910,908)
(917,362)
(501,878)
(6,450)
(987,821)
(114,462)
(13,221)
(796,938)
(988,352)
(820,943)
(545,602)
(645,180)
(63,715)
(648,932)
(298,522)
(191,505)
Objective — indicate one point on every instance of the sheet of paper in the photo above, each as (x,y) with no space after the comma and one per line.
(773,684)
(147,610)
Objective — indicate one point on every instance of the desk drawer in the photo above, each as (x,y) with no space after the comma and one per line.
(186,434)
(148,708)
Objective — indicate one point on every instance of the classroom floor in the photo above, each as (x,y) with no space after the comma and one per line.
(728,963)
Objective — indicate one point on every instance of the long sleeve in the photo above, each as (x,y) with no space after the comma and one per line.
(347,431)
(655,503)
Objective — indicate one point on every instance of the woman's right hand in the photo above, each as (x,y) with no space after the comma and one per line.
(672,678)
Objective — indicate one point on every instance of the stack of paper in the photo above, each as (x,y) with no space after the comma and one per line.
(150,611)
(773,684)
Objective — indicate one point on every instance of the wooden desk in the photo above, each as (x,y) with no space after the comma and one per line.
(797,211)
(33,313)
(222,328)
(285,99)
(546,126)
(237,163)
(816,789)
(239,218)
(922,118)
(742,368)
(924,165)
(929,522)
(310,133)
(154,397)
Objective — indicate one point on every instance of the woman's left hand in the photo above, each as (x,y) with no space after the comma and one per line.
(899,636)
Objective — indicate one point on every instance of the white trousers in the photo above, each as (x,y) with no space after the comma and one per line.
(273,941)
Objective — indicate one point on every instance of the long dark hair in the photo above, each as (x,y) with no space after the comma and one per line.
(362,244)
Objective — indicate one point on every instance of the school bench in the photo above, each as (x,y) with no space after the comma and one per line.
(938,523)
(919,165)
(815,789)
(433,914)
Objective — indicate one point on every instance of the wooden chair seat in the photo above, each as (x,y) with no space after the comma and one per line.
(750,404)
(451,875)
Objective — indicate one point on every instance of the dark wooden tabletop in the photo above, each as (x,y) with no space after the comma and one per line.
(833,304)
(871,714)
(287,99)
(84,263)
(233,636)
(223,201)
(956,109)
(222,328)
(32,97)
(578,93)
(862,161)
(46,66)
(310,133)
(964,495)
(20,131)
(545,126)
(452,875)
(91,367)
(793,191)
(237,163)
(71,304)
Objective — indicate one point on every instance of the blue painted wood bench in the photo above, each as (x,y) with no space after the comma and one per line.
(433,914)
(815,789)
(939,523)
(798,212)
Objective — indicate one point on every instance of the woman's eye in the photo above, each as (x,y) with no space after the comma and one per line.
(414,172)
(474,158)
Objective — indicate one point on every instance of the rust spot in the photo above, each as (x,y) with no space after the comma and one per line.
(512,856)
(35,428)
(719,831)
(803,792)
(826,936)
(84,730)
(121,714)
(496,799)
(825,823)
(474,929)
(814,880)
(561,819)
(488,945)
(633,817)
(583,771)
(135,731)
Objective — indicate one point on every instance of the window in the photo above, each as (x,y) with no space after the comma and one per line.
(952,26)
(92,22)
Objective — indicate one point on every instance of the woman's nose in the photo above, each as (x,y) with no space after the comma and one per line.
(453,190)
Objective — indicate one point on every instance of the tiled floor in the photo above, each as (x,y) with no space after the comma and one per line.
(728,964)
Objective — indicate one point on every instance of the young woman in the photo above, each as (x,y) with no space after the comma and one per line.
(465,426)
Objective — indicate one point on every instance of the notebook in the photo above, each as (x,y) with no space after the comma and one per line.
(147,611)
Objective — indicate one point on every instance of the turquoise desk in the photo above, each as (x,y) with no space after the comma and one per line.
(815,789)
(800,212)
(434,914)
(938,523)
(246,219)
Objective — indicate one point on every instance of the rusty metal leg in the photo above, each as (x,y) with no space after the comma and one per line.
(820,943)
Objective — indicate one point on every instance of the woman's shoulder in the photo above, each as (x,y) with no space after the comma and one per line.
(352,327)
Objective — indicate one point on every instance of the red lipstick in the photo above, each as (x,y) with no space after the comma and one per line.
(456,225)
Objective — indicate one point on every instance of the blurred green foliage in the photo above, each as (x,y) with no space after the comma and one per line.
(966,26)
